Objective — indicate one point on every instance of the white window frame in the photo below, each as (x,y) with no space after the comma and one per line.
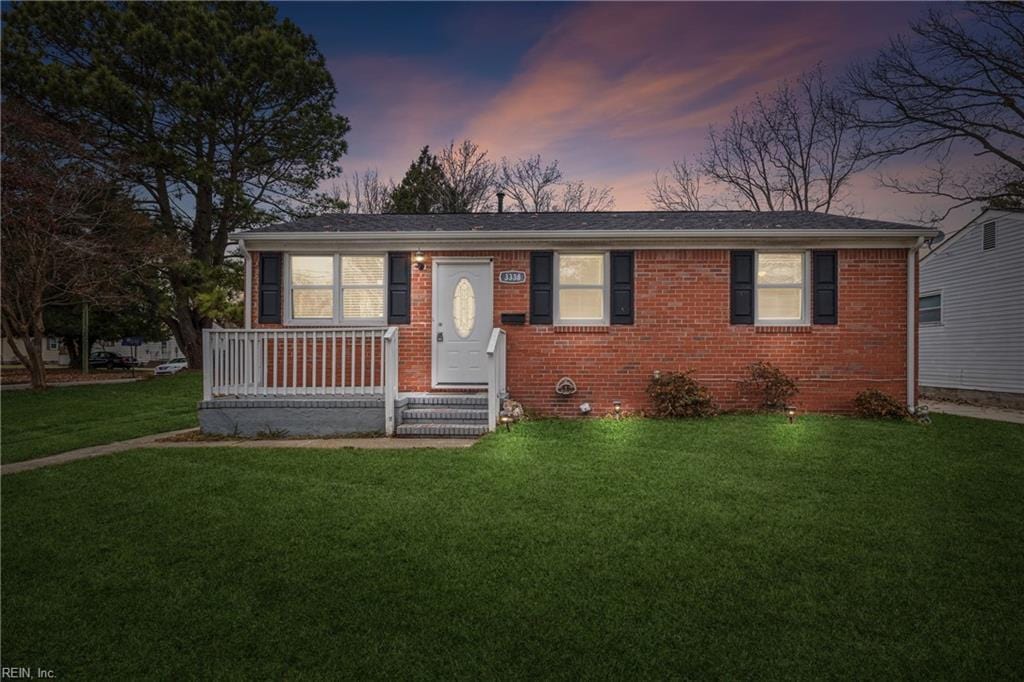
(926,294)
(804,286)
(336,319)
(605,288)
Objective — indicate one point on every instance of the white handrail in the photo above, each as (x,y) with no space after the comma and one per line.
(330,361)
(496,386)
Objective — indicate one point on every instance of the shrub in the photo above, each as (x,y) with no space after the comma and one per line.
(772,387)
(677,394)
(874,404)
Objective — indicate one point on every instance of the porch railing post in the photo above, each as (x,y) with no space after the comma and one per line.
(390,340)
(207,366)
(495,376)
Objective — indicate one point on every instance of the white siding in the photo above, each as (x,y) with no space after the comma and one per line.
(980,343)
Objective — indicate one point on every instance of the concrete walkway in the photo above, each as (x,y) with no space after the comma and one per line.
(998,414)
(154,441)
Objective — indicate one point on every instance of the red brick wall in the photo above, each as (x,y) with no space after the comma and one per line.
(682,323)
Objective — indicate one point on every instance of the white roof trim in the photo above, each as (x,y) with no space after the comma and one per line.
(427,237)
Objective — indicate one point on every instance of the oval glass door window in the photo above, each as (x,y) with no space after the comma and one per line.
(464,308)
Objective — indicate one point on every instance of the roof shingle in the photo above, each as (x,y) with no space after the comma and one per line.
(609,220)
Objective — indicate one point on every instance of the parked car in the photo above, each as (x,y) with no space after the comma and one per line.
(174,366)
(110,360)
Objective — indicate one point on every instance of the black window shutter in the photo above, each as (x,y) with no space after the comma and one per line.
(399,288)
(826,287)
(622,287)
(542,266)
(741,285)
(270,288)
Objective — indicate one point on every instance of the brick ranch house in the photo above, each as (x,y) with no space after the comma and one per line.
(422,324)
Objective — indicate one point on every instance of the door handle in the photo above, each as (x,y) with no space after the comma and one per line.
(440,337)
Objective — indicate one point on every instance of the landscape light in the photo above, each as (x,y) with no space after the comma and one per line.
(617,406)
(420,260)
(790,413)
(507,421)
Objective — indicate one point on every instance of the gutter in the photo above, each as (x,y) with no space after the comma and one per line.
(912,324)
(247,295)
(426,236)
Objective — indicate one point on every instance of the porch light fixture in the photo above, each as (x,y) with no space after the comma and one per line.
(790,413)
(420,259)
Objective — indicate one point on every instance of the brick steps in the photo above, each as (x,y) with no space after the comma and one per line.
(451,415)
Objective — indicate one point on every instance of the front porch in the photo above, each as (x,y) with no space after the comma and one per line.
(331,382)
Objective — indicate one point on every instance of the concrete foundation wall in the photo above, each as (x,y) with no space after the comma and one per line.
(284,418)
(1014,401)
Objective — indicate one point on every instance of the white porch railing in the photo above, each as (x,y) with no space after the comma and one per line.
(306,362)
(496,386)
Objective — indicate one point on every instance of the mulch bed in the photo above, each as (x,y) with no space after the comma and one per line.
(21,376)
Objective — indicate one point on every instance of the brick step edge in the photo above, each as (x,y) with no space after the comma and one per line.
(444,414)
(449,430)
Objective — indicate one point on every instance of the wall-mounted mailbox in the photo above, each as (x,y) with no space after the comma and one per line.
(513,318)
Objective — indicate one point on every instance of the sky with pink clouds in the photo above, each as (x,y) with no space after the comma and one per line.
(613,91)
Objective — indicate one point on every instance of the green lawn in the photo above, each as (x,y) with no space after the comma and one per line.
(734,547)
(38,423)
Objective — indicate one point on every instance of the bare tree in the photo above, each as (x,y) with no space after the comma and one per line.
(954,88)
(364,192)
(535,186)
(529,183)
(578,196)
(678,189)
(69,234)
(796,148)
(469,178)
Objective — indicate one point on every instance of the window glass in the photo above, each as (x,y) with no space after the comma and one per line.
(931,308)
(464,308)
(780,268)
(780,304)
(581,304)
(362,270)
(587,269)
(312,270)
(313,303)
(362,303)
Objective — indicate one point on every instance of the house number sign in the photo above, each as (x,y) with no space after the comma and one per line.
(512,277)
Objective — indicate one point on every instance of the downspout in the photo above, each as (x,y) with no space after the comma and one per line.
(912,324)
(247,294)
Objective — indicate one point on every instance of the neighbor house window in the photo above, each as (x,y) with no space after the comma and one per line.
(582,281)
(52,343)
(930,307)
(781,296)
(336,288)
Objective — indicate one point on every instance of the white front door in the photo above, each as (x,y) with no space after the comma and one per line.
(462,321)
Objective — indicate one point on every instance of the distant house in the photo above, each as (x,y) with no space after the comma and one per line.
(972,311)
(54,352)
(421,324)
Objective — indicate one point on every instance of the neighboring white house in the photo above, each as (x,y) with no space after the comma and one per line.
(54,352)
(972,311)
